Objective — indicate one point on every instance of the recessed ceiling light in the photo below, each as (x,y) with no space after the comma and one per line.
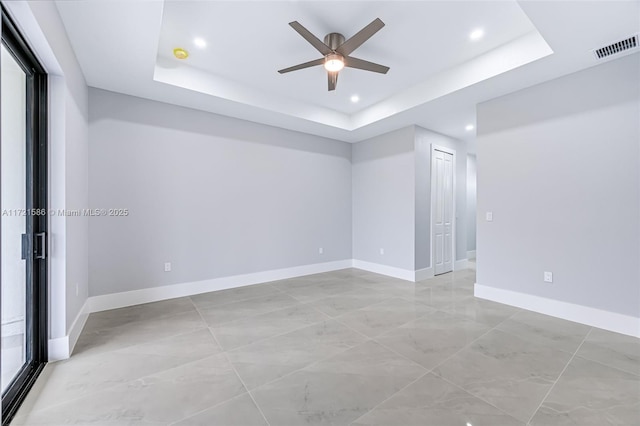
(469,127)
(180,53)
(476,34)
(355,98)
(199,42)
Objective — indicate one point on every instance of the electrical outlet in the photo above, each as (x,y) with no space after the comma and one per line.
(321,250)
(548,277)
(489,216)
(167,267)
(381,251)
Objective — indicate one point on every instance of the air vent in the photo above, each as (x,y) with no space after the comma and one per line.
(617,47)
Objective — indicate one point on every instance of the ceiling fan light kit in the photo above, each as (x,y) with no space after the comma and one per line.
(334,62)
(336,51)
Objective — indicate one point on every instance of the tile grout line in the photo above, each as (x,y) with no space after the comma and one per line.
(117,349)
(307,366)
(431,371)
(373,339)
(139,343)
(313,363)
(300,303)
(388,398)
(249,391)
(335,319)
(208,408)
(559,376)
(111,386)
(435,309)
(242,299)
(297,302)
(224,352)
(122,383)
(205,325)
(244,385)
(478,397)
(307,302)
(328,318)
(494,328)
(582,357)
(468,345)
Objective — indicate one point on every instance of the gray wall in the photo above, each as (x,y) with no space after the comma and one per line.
(423,140)
(392,198)
(558,165)
(471,202)
(383,175)
(214,196)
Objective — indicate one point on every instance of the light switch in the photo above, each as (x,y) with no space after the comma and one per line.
(489,216)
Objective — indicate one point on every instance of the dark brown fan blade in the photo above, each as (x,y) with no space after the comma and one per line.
(315,41)
(303,66)
(361,64)
(363,35)
(333,80)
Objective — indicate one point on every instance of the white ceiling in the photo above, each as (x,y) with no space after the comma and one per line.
(247,44)
(437,74)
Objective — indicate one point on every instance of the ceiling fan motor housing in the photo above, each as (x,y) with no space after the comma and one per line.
(333,40)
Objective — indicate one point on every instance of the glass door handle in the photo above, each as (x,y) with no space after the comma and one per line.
(40,250)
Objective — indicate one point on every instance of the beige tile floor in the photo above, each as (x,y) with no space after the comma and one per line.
(339,348)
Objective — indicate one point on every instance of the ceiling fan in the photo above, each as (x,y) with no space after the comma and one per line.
(336,51)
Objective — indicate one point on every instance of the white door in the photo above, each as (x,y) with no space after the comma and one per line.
(443,212)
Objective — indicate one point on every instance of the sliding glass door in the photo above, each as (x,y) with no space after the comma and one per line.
(14,274)
(23,224)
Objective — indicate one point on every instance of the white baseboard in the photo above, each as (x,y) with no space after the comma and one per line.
(58,349)
(76,328)
(61,348)
(471,254)
(583,314)
(461,264)
(391,271)
(155,294)
(423,274)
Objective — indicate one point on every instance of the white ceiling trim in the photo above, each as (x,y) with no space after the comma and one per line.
(117,42)
(197,80)
(517,53)
(507,57)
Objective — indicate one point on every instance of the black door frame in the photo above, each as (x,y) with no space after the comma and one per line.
(36,316)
